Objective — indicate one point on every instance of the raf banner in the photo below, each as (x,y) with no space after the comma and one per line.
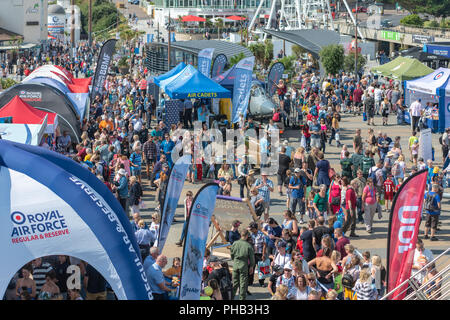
(195,242)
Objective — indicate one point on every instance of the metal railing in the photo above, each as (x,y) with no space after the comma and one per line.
(435,288)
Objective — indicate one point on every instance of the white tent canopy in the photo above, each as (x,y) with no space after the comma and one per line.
(30,134)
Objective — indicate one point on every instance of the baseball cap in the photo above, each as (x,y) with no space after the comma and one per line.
(122,172)
(287,266)
(297,170)
(236,223)
(222,179)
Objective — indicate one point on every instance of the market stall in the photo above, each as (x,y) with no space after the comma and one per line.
(402,69)
(435,89)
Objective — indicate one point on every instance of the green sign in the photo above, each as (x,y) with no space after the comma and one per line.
(390,35)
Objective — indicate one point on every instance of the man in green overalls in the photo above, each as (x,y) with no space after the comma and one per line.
(242,253)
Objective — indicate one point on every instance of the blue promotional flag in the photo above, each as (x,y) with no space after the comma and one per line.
(66,211)
(242,86)
(195,242)
(173,192)
(172,37)
(219,65)
(150,37)
(204,61)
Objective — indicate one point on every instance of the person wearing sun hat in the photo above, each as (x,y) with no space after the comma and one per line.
(287,279)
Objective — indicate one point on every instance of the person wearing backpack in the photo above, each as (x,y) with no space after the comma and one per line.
(376,173)
(346,165)
(298,185)
(366,163)
(221,274)
(433,209)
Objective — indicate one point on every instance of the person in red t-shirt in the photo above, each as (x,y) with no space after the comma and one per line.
(349,208)
(389,187)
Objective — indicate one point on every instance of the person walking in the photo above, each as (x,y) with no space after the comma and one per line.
(241,253)
(415,110)
(369,198)
(298,185)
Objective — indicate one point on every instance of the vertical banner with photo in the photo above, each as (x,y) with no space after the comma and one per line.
(204,61)
(404,223)
(425,145)
(275,74)
(195,242)
(102,69)
(173,192)
(219,64)
(242,85)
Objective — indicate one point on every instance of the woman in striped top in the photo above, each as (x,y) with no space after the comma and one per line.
(363,286)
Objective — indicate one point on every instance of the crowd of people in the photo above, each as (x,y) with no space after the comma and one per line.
(128,147)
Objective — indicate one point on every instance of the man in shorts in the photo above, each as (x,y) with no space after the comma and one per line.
(433,212)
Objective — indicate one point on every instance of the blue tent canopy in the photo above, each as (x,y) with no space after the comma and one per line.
(226,78)
(190,83)
(170,73)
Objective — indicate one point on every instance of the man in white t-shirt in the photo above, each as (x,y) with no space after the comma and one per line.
(422,257)
(415,111)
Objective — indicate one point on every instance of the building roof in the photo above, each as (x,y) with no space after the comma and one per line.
(227,48)
(312,40)
(56,9)
(6,35)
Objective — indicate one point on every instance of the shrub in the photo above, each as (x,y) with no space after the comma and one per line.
(412,20)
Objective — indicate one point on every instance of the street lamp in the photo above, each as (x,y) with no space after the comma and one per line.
(169,27)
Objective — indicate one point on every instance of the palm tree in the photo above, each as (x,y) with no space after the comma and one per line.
(219,24)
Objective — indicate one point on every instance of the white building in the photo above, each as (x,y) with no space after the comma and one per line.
(64,8)
(25,17)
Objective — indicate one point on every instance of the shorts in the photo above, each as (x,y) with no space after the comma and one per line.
(281,178)
(415,156)
(315,142)
(135,172)
(432,221)
(389,196)
(266,207)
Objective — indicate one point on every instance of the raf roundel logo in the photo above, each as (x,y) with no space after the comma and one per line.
(18,217)
(198,206)
(439,75)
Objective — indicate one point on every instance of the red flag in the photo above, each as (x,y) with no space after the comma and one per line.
(403,231)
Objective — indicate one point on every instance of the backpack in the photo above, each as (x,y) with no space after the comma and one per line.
(348,281)
(440,140)
(226,286)
(276,117)
(430,203)
(366,164)
(346,165)
(373,175)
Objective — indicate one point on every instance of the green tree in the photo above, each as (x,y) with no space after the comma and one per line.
(412,20)
(258,50)
(349,62)
(332,58)
(268,53)
(298,51)
(235,59)
(219,25)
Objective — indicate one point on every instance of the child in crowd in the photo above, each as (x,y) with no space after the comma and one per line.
(310,206)
(288,190)
(366,259)
(388,191)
